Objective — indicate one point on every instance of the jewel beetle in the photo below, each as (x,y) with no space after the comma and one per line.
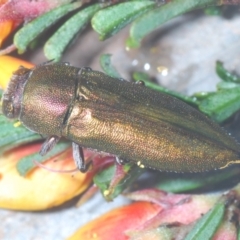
(127,120)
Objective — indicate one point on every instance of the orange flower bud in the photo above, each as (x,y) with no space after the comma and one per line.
(6,27)
(115,223)
(40,189)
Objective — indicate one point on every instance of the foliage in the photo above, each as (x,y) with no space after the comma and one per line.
(144,17)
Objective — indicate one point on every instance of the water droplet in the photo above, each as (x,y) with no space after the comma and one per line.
(163,70)
(140,82)
(87,69)
(135,62)
(146,66)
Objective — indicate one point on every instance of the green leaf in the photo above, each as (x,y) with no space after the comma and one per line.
(12,136)
(221,105)
(26,164)
(227,85)
(226,75)
(208,224)
(31,30)
(213,11)
(154,18)
(137,76)
(111,20)
(55,46)
(202,95)
(104,178)
(188,183)
(141,76)
(105,62)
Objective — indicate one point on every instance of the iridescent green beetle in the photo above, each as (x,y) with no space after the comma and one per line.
(127,120)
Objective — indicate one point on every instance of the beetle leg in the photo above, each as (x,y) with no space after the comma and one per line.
(121,161)
(78,158)
(47,62)
(48,145)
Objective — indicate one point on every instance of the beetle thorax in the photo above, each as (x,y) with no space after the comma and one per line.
(47,96)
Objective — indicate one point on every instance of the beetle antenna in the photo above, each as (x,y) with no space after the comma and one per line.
(38,164)
(47,62)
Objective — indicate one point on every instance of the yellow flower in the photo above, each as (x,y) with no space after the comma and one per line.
(7,66)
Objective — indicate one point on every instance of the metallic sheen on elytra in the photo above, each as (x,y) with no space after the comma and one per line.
(127,120)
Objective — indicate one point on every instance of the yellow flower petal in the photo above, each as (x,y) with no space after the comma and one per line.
(40,189)
(7,66)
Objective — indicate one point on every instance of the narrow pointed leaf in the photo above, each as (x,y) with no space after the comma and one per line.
(227,85)
(30,31)
(108,68)
(137,76)
(111,20)
(156,17)
(213,11)
(103,180)
(222,105)
(26,164)
(208,224)
(225,75)
(188,183)
(12,136)
(55,46)
(202,95)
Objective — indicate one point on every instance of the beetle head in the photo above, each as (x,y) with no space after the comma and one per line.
(11,100)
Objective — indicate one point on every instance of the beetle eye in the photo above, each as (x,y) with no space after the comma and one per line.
(11,100)
(7,106)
